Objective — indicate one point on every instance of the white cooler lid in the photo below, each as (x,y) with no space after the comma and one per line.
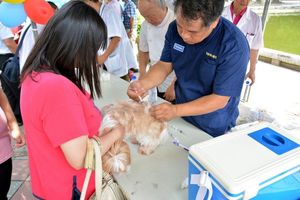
(249,159)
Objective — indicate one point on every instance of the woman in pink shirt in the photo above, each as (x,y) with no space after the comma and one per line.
(8,129)
(58,113)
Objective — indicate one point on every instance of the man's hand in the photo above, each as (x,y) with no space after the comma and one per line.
(251,75)
(164,111)
(136,91)
(170,93)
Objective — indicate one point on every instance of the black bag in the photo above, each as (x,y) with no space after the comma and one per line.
(10,81)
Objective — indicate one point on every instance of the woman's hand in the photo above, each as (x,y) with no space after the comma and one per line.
(110,135)
(18,136)
(119,130)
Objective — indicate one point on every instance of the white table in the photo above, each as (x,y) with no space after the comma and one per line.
(157,176)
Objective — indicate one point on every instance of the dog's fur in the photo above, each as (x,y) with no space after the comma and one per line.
(117,158)
(140,127)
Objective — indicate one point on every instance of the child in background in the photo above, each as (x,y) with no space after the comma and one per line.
(8,129)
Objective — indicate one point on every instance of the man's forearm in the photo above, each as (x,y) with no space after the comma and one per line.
(253,60)
(157,74)
(143,62)
(203,105)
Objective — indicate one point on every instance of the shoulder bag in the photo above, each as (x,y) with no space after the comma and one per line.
(106,187)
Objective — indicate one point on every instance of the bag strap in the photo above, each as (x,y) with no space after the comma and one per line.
(98,168)
(93,161)
(21,42)
(102,8)
(89,165)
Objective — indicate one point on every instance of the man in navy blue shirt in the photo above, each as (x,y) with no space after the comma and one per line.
(209,56)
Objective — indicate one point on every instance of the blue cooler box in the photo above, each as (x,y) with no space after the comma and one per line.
(261,162)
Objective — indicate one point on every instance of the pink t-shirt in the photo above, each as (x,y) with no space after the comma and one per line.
(6,150)
(55,111)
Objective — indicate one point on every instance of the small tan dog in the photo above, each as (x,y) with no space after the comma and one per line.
(140,127)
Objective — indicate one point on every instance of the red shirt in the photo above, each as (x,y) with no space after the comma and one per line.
(55,111)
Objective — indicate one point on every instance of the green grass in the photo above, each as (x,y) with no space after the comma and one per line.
(283,33)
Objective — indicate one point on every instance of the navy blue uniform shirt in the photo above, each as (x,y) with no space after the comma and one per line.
(216,65)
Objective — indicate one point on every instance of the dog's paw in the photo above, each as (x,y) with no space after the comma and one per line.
(145,150)
(133,140)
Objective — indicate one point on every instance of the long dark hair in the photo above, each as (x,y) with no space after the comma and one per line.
(70,40)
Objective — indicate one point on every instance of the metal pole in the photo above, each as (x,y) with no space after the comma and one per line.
(265,14)
(34,30)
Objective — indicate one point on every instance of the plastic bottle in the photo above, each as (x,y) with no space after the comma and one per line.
(247,90)
(152,93)
(152,99)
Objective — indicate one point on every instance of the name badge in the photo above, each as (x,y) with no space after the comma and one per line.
(178,47)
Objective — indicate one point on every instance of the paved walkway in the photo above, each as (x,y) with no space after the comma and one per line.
(20,188)
(275,92)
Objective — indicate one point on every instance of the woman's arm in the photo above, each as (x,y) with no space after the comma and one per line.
(75,150)
(12,123)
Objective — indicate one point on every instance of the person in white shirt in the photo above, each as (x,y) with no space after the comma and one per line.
(7,44)
(250,24)
(29,38)
(118,56)
(170,4)
(152,36)
(28,42)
